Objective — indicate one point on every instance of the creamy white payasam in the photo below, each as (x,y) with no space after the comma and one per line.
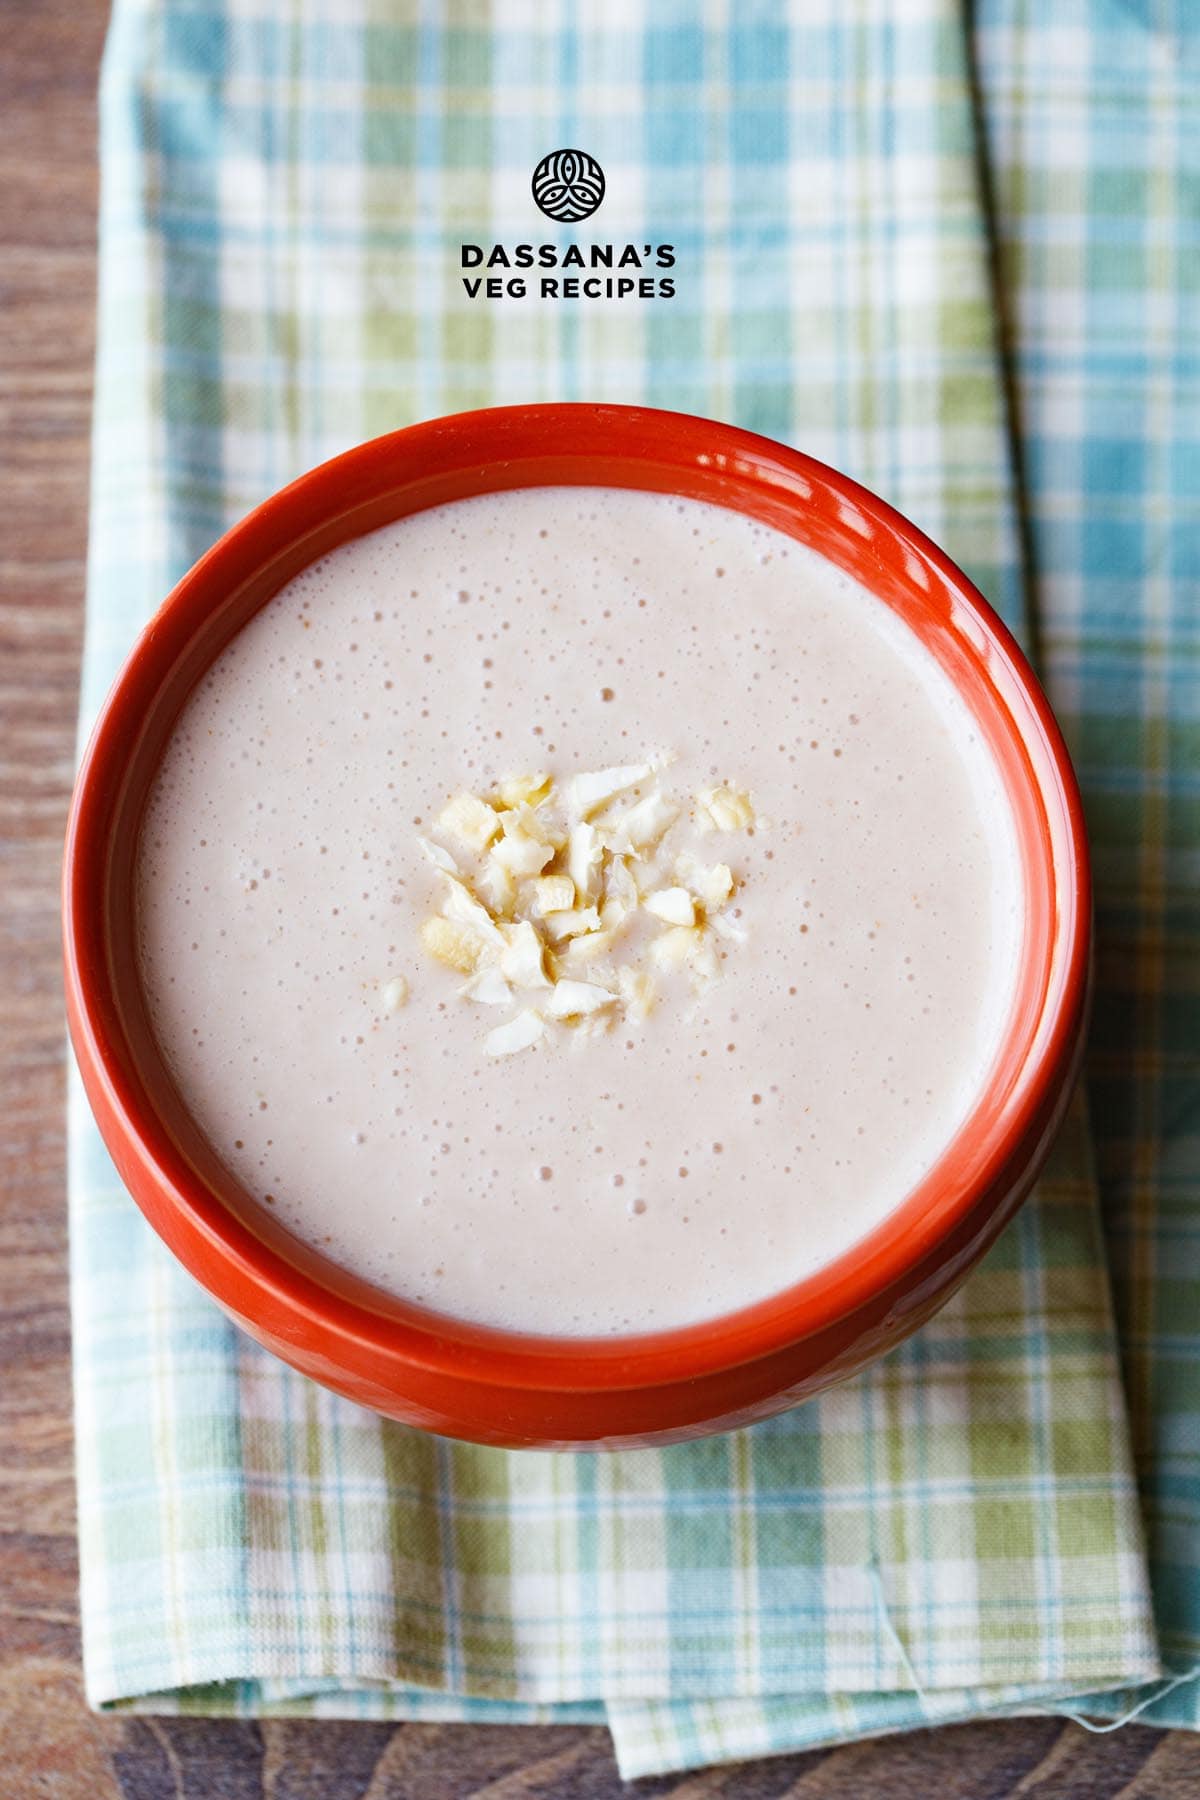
(578,910)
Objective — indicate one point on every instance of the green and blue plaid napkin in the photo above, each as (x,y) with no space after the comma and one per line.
(1093,125)
(285,193)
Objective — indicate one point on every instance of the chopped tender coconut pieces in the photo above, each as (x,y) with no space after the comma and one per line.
(558,875)
(394,993)
(724,809)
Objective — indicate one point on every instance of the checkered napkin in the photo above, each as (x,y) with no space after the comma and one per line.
(285,194)
(1093,121)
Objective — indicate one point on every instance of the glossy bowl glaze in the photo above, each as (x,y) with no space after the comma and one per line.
(499,1387)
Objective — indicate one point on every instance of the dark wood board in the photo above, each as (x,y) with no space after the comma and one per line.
(49,1743)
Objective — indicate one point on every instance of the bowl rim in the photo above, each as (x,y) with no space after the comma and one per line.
(239,1263)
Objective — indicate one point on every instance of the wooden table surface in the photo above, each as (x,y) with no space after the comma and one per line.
(49,1743)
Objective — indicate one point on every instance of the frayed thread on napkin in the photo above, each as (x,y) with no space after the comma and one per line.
(1159,1692)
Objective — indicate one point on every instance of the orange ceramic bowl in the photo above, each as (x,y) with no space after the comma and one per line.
(500,1387)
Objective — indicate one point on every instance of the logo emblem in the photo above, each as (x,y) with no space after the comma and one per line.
(568,185)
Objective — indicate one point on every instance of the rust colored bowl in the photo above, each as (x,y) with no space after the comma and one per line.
(499,1387)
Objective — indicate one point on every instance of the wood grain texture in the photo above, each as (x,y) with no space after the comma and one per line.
(49,1743)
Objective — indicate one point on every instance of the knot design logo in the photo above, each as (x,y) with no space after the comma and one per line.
(568,185)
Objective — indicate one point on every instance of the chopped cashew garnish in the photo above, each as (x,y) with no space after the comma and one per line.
(704,966)
(463,909)
(469,819)
(637,991)
(724,809)
(553,894)
(712,885)
(585,855)
(571,924)
(522,790)
(676,947)
(487,987)
(523,959)
(674,905)
(643,825)
(620,889)
(579,951)
(394,993)
(587,792)
(527,822)
(715,886)
(519,1034)
(458,946)
(571,999)
(520,852)
(497,888)
(558,875)
(439,857)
